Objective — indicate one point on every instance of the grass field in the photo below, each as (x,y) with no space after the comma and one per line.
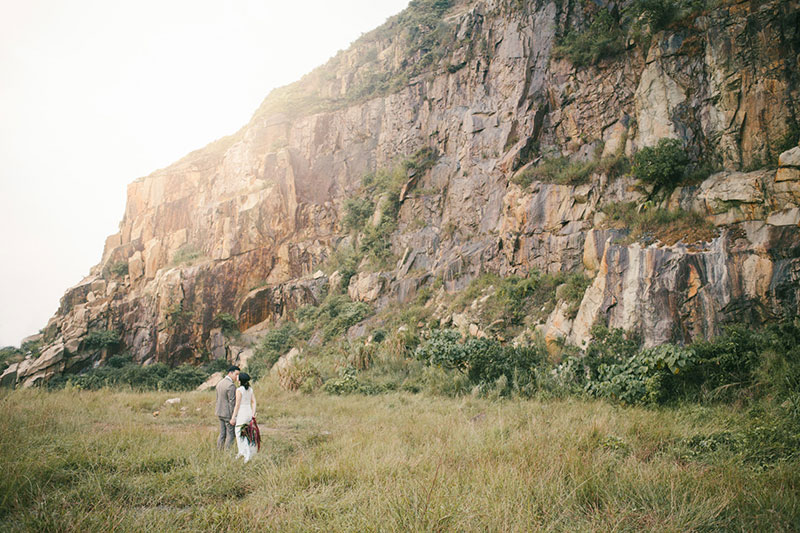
(101,461)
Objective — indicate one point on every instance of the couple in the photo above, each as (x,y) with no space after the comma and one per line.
(236,410)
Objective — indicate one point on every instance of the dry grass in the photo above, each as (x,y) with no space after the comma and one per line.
(100,461)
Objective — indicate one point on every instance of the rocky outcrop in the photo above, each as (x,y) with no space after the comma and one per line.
(242,226)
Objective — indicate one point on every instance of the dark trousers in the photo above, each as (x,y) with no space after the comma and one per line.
(226,433)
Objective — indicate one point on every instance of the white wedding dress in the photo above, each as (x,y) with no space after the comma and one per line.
(243,417)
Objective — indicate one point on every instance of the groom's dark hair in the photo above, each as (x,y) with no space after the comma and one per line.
(233,368)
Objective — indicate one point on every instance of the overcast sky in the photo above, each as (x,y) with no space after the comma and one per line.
(96,93)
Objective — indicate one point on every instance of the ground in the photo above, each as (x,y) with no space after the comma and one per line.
(101,461)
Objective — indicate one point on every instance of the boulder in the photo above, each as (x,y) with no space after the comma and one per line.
(285,361)
(790,158)
(37,337)
(135,266)
(211,382)
(9,376)
(50,357)
(785,217)
(366,286)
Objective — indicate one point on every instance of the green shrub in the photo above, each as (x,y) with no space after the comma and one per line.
(228,323)
(663,165)
(443,348)
(646,223)
(10,355)
(608,347)
(274,344)
(357,211)
(572,291)
(121,371)
(482,360)
(562,171)
(178,317)
(216,365)
(345,260)
(119,269)
(603,38)
(98,339)
(185,254)
(657,14)
(334,316)
(743,362)
(515,299)
(348,383)
(183,377)
(649,376)
(727,363)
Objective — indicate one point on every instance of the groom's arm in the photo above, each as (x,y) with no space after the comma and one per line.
(230,395)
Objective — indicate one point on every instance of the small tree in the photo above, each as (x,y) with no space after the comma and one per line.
(663,165)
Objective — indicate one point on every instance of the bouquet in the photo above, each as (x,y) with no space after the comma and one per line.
(251,433)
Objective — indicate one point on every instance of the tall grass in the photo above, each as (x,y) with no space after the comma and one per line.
(100,461)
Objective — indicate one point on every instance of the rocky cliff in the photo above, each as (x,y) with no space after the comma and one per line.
(462,106)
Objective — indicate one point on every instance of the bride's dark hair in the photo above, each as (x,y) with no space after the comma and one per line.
(244,380)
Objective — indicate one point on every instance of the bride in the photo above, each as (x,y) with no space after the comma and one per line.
(243,412)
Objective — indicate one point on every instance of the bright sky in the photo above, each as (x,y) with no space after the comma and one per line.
(95,93)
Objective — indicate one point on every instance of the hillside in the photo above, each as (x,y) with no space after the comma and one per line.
(507,168)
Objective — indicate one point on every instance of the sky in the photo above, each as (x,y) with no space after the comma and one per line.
(96,93)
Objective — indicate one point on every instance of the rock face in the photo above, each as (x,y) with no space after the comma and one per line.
(242,225)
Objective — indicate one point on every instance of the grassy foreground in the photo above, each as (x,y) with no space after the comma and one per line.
(101,461)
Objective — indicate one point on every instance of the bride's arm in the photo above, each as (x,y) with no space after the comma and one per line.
(236,408)
(253,403)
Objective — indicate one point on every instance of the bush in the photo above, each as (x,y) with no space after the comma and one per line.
(185,254)
(184,377)
(99,339)
(178,317)
(608,347)
(345,260)
(274,344)
(516,299)
(483,361)
(228,323)
(562,171)
(663,165)
(10,355)
(121,371)
(649,376)
(119,269)
(602,39)
(357,212)
(337,314)
(648,224)
(348,383)
(740,363)
(301,374)
(658,14)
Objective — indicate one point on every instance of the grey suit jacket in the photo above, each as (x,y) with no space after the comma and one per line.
(226,398)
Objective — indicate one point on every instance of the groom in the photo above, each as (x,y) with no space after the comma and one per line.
(226,400)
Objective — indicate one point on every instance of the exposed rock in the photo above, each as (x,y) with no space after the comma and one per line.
(9,376)
(790,158)
(244,225)
(242,358)
(211,382)
(366,286)
(785,217)
(285,361)
(38,337)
